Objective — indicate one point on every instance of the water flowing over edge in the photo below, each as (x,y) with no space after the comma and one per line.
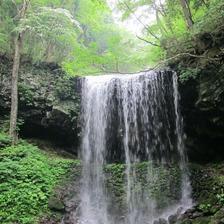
(142,95)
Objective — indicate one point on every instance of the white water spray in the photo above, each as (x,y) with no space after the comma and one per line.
(140,112)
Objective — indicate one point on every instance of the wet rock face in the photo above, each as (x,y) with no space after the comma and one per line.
(203,110)
(48,102)
(160,221)
(193,216)
(49,106)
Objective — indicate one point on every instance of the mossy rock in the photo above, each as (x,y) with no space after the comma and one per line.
(55,204)
(201,220)
(218,218)
(163,186)
(49,103)
(185,222)
(207,182)
(207,185)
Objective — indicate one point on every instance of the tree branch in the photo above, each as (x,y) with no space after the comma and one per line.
(133,13)
(147,41)
(104,71)
(183,54)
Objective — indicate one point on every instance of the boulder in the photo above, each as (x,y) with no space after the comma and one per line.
(56,204)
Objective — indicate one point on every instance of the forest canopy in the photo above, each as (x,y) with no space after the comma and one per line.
(80,35)
(85,38)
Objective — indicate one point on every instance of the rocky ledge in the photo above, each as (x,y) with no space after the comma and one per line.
(49,102)
(201,73)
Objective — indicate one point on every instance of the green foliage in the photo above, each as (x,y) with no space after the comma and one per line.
(164,182)
(26,94)
(205,208)
(220,197)
(4,140)
(115,180)
(79,35)
(188,73)
(4,124)
(207,186)
(19,124)
(213,17)
(84,39)
(169,30)
(49,28)
(27,178)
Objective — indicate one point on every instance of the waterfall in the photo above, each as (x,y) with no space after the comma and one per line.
(132,119)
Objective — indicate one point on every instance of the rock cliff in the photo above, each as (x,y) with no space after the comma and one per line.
(48,102)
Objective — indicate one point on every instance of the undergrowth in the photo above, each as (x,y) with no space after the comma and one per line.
(27,179)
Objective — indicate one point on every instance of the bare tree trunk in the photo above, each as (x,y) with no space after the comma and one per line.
(14,90)
(15,74)
(187,13)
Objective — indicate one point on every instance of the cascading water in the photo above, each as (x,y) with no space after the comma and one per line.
(132,119)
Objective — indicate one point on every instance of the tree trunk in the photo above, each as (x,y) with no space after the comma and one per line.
(15,74)
(187,13)
(14,90)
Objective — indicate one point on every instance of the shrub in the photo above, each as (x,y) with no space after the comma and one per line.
(27,178)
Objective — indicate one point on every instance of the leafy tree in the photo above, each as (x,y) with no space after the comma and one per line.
(32,19)
(187,13)
(79,35)
(83,38)
(175,20)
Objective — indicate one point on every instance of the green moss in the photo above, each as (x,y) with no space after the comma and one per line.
(207,183)
(201,220)
(163,184)
(218,217)
(27,179)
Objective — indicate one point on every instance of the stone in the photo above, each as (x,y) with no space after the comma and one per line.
(202,105)
(156,222)
(162,221)
(56,204)
(172,219)
(201,220)
(188,221)
(196,215)
(218,218)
